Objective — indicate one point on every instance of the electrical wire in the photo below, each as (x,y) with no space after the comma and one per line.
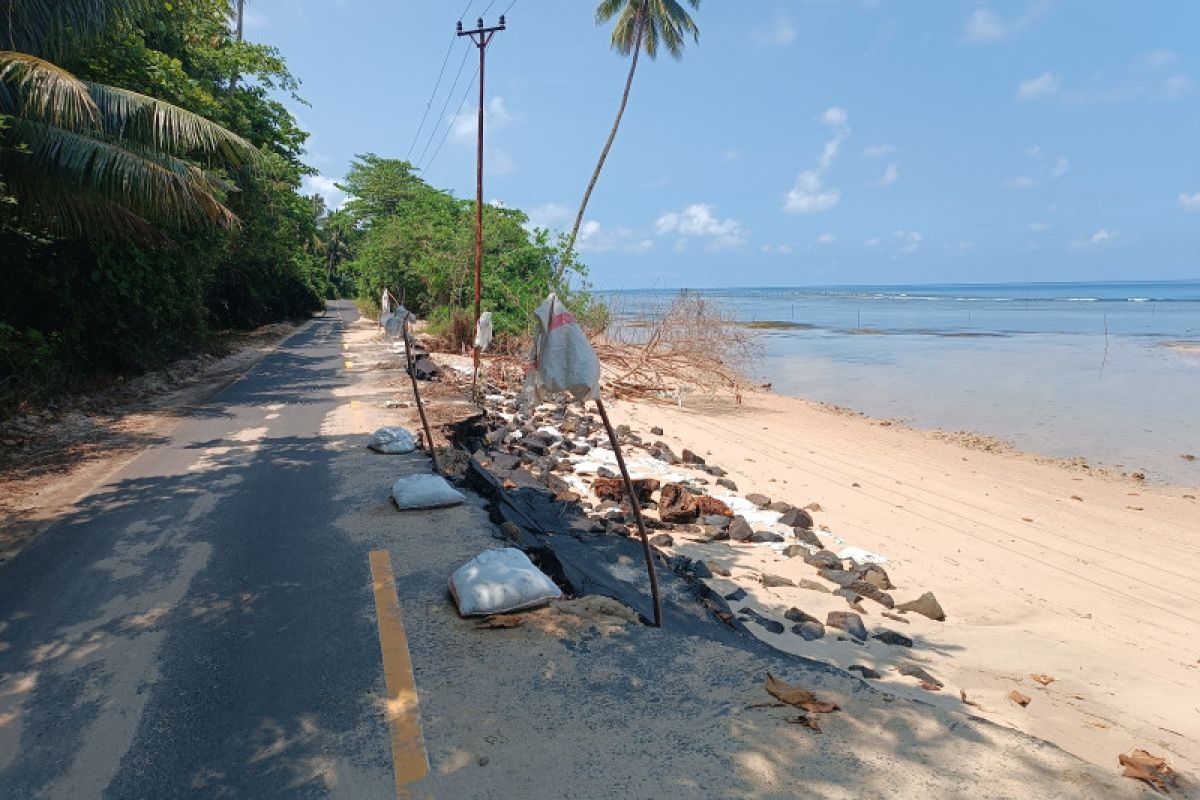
(449,97)
(433,95)
(450,127)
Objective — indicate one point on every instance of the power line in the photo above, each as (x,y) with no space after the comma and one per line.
(450,127)
(510,5)
(436,84)
(449,97)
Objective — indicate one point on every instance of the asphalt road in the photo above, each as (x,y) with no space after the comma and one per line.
(201,625)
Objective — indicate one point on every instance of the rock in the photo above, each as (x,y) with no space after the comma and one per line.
(720,534)
(913,671)
(796,615)
(813,586)
(676,504)
(866,672)
(810,630)
(691,458)
(876,576)
(796,518)
(662,540)
(711,506)
(867,590)
(701,570)
(793,550)
(893,638)
(614,488)
(716,472)
(728,484)
(772,625)
(850,595)
(739,530)
(760,500)
(736,595)
(623,430)
(664,453)
(716,520)
(606,472)
(841,578)
(780,507)
(763,537)
(582,449)
(897,618)
(807,536)
(656,431)
(927,605)
(849,622)
(772,581)
(718,570)
(538,443)
(824,559)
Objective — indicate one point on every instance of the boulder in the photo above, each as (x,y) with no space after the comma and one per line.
(760,500)
(927,605)
(772,581)
(849,622)
(796,518)
(813,586)
(691,458)
(876,576)
(728,484)
(676,504)
(763,537)
(701,570)
(807,536)
(809,629)
(739,530)
(796,615)
(866,672)
(662,540)
(893,638)
(913,671)
(716,472)
(614,488)
(664,453)
(656,431)
(716,520)
(780,507)
(711,506)
(823,559)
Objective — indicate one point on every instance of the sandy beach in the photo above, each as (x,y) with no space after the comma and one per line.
(1043,567)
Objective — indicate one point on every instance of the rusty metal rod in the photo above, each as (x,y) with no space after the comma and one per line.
(637,513)
(412,373)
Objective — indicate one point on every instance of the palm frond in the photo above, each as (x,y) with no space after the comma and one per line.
(33,87)
(664,23)
(153,185)
(129,115)
(44,27)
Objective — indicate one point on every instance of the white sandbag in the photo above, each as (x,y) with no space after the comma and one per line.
(483,331)
(392,326)
(425,491)
(392,441)
(500,581)
(563,359)
(385,306)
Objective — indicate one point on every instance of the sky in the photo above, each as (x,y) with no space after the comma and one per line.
(799,143)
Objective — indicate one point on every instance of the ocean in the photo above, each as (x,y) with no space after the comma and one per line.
(1109,372)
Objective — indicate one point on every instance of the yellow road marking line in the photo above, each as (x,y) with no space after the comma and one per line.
(409,760)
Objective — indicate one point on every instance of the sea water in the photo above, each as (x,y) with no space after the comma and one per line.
(1109,372)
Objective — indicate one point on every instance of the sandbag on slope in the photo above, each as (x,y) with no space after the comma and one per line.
(500,581)
(416,492)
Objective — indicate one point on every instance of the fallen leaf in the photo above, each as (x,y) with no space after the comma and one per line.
(962,695)
(1077,497)
(1044,680)
(930,687)
(1135,508)
(1020,699)
(1026,519)
(502,621)
(1143,766)
(797,696)
(808,722)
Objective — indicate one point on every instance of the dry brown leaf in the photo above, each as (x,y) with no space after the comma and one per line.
(502,621)
(962,695)
(1135,508)
(797,696)
(806,721)
(1142,766)
(1077,497)
(1044,680)
(930,687)
(1020,699)
(1026,519)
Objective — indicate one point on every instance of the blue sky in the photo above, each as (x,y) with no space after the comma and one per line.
(801,142)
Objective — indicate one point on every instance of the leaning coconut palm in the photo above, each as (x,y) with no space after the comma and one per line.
(93,161)
(642,25)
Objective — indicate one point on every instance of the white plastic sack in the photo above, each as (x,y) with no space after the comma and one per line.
(392,441)
(563,359)
(385,306)
(425,491)
(483,332)
(500,581)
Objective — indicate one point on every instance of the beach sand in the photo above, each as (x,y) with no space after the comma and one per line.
(1043,567)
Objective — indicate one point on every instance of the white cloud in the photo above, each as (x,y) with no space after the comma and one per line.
(826,238)
(595,239)
(985,26)
(1157,59)
(959,248)
(781,32)
(732,154)
(1021,182)
(1044,85)
(872,242)
(906,241)
(334,197)
(499,162)
(549,215)
(1060,167)
(698,220)
(1038,227)
(877,150)
(1101,238)
(465,125)
(1034,151)
(1189,202)
(809,193)
(778,249)
(890,176)
(1176,86)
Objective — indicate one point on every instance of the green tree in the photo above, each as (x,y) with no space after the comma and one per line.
(642,26)
(94,160)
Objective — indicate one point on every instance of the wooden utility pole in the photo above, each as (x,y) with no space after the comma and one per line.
(481,36)
(241,13)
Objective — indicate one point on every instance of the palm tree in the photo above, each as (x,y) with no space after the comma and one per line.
(642,25)
(94,161)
